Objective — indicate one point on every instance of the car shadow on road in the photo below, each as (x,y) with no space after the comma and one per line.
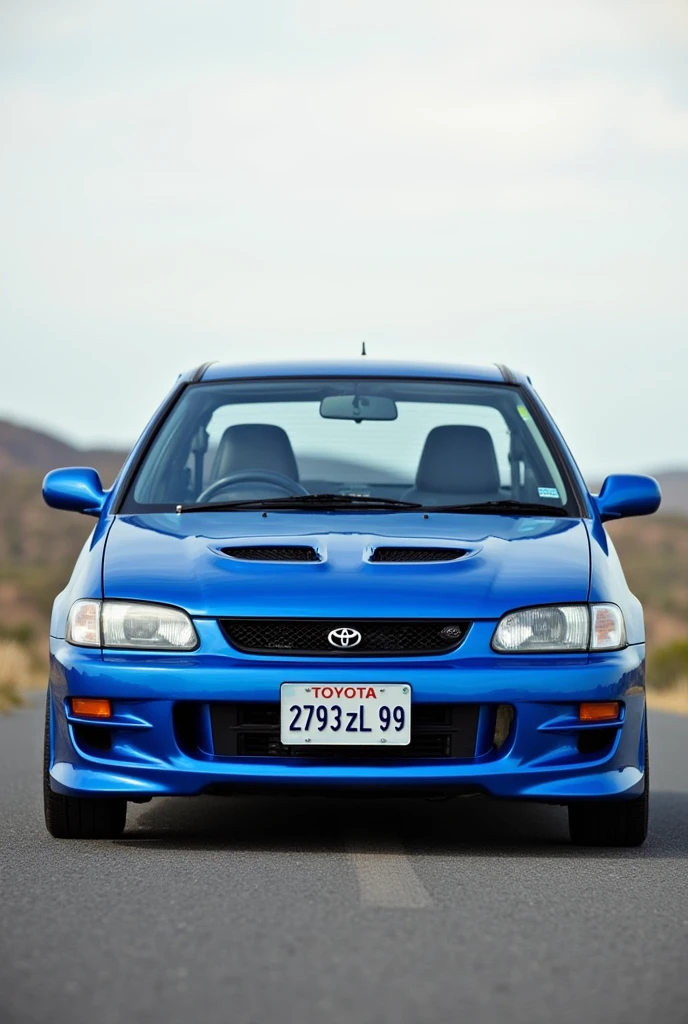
(473,826)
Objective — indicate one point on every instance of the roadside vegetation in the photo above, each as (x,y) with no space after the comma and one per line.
(654,554)
(17,673)
(38,547)
(669,668)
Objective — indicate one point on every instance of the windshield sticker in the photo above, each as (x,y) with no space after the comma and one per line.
(548,492)
(523,412)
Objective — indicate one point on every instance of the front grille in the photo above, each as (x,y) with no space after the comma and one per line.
(416,554)
(253,730)
(292,637)
(294,553)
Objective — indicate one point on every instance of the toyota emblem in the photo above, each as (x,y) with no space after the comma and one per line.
(344,637)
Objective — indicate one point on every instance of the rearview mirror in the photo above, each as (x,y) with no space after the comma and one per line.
(626,495)
(77,489)
(358,408)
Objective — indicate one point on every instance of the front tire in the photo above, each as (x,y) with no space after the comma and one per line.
(79,817)
(612,822)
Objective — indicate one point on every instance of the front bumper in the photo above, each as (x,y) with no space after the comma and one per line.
(542,758)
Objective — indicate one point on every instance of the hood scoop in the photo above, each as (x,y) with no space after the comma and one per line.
(274,553)
(386,554)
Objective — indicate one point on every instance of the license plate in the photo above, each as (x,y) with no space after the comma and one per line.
(349,714)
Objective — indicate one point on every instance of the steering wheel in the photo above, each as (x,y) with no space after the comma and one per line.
(280,481)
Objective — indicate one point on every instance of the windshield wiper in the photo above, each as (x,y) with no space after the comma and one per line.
(305,501)
(505,507)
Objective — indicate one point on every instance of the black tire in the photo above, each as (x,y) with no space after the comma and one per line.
(612,822)
(76,817)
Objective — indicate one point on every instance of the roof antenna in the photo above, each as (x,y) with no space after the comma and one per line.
(363,351)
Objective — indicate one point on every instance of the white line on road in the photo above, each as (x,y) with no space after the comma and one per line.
(386,877)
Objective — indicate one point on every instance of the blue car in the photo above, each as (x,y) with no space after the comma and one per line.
(355,576)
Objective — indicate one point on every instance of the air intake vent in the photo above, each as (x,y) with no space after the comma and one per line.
(416,554)
(274,554)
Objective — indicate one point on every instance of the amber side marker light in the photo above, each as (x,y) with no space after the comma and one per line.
(90,707)
(599,711)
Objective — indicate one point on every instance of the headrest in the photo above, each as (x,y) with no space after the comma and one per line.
(259,446)
(458,460)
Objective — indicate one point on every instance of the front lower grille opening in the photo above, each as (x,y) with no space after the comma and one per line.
(252,729)
(258,714)
(406,554)
(435,745)
(429,715)
(281,553)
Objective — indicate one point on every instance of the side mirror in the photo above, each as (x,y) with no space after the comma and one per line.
(625,495)
(76,489)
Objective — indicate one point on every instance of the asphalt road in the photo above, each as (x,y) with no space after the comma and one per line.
(251,911)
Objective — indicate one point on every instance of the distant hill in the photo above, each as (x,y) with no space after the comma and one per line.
(674,484)
(24,448)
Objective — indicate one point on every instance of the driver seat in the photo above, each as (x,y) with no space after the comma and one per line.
(254,446)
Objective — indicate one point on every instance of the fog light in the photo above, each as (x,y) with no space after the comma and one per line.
(503,720)
(599,711)
(89,707)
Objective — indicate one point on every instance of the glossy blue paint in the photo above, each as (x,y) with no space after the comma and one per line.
(75,489)
(510,562)
(542,560)
(628,495)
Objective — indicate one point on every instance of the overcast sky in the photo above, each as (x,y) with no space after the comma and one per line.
(479,182)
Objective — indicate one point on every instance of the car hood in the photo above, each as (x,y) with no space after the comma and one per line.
(509,562)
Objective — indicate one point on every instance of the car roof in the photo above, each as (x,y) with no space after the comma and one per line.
(363,366)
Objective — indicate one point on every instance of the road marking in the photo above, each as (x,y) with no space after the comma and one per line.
(386,877)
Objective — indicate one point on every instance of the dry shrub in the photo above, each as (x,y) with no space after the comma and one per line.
(17,674)
(669,665)
(674,699)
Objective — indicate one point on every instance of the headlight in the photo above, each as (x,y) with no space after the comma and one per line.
(572,627)
(130,624)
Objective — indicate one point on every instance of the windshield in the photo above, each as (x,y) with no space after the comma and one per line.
(433,443)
